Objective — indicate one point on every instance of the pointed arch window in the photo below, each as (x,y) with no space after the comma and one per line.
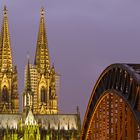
(5,94)
(43,94)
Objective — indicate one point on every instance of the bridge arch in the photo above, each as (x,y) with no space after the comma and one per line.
(118,84)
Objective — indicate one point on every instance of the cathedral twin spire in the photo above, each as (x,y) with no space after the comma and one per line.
(40,77)
(39,95)
(5,47)
(9,98)
(42,59)
(40,87)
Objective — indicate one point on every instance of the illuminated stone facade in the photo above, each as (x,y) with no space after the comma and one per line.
(9,98)
(42,76)
(40,118)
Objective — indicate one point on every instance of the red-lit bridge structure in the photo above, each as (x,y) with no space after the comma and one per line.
(113,111)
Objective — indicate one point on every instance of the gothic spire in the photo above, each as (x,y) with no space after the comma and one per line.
(53,71)
(5,48)
(42,59)
(28,78)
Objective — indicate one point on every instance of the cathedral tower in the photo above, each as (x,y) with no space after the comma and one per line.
(43,76)
(42,60)
(39,119)
(9,100)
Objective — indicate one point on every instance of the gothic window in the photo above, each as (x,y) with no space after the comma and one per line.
(43,94)
(5,94)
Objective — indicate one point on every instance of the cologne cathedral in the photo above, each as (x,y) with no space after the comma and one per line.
(40,118)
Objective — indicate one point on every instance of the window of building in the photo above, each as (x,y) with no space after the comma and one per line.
(43,94)
(5,94)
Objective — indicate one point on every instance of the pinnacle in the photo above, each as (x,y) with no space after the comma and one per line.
(5,10)
(6,56)
(42,12)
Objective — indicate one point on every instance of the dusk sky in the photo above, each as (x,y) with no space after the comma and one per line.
(84,37)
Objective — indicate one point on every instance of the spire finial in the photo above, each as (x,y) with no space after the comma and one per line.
(28,62)
(53,65)
(5,10)
(28,56)
(42,12)
(77,109)
(53,69)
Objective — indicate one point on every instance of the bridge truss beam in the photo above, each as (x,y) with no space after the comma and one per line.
(113,112)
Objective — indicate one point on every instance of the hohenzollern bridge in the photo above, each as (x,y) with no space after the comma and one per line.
(113,111)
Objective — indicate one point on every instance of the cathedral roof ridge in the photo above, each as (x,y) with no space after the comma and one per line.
(63,114)
(11,114)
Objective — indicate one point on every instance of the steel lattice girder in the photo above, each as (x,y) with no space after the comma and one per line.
(120,79)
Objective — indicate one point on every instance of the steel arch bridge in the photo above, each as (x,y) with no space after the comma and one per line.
(113,111)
